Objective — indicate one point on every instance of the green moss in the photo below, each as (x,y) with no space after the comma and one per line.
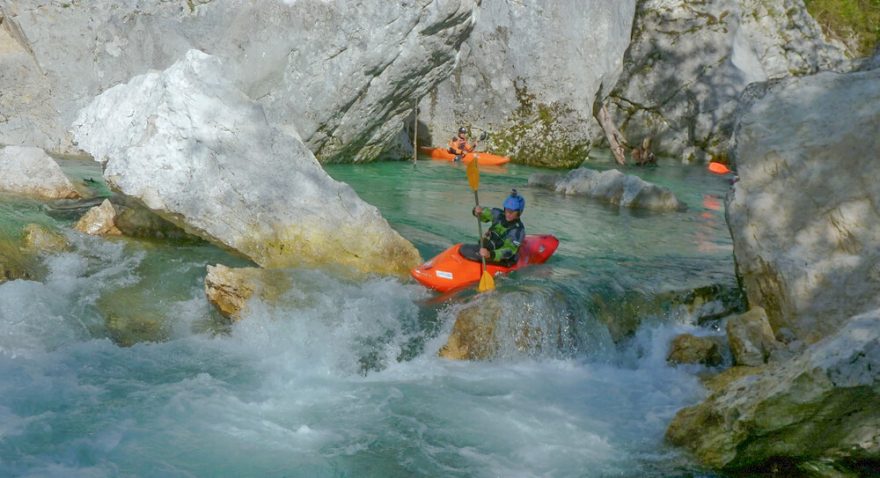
(856,22)
(536,136)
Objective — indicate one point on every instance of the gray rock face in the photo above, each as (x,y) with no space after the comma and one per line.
(751,338)
(819,406)
(31,172)
(530,73)
(611,186)
(805,214)
(690,60)
(27,116)
(196,150)
(341,74)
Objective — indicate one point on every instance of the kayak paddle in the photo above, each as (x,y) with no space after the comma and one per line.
(473,175)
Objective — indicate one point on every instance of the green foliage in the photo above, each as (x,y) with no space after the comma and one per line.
(856,22)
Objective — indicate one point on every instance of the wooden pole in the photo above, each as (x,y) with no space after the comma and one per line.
(616,140)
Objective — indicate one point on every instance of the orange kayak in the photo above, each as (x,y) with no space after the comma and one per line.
(449,270)
(718,168)
(487,159)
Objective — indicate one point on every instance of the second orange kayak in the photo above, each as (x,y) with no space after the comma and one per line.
(487,159)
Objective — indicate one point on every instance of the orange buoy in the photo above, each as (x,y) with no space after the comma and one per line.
(718,168)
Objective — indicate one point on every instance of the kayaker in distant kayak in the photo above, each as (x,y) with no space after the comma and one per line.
(459,145)
(501,242)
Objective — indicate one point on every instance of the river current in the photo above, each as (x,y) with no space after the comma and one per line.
(341,377)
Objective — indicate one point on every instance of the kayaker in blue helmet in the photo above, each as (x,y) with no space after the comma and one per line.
(501,242)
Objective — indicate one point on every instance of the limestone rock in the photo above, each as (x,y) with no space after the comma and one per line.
(191,147)
(522,323)
(718,382)
(229,289)
(473,334)
(822,406)
(623,314)
(804,214)
(99,221)
(690,60)
(690,349)
(611,186)
(530,74)
(751,338)
(341,74)
(38,238)
(30,171)
(13,264)
(27,113)
(127,331)
(134,220)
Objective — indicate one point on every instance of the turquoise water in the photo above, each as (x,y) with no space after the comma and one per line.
(342,378)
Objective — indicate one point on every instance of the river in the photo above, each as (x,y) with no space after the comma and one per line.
(341,377)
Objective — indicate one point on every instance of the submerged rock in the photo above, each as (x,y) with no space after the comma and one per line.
(473,334)
(690,349)
(129,330)
(194,149)
(624,313)
(611,186)
(804,215)
(523,323)
(13,264)
(38,238)
(30,171)
(229,289)
(820,406)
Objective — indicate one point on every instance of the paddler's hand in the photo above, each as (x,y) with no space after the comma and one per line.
(484,252)
(478,210)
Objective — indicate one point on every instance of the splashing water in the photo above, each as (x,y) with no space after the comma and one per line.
(342,377)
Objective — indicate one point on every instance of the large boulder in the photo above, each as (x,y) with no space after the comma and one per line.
(530,73)
(691,59)
(820,407)
(520,323)
(193,148)
(30,171)
(804,214)
(341,74)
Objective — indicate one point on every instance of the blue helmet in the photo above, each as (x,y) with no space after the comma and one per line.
(515,202)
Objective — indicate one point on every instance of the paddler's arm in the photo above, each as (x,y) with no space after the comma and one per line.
(484,214)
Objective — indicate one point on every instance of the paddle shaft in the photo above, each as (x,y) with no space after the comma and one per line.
(480,230)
